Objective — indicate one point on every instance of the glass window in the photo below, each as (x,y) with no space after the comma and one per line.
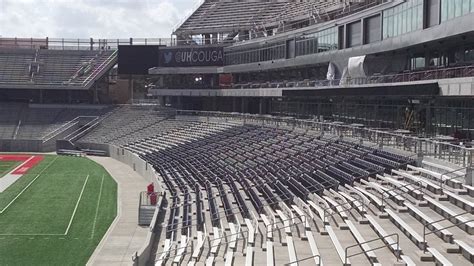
(465,7)
(417,62)
(409,17)
(414,19)
(384,30)
(403,18)
(404,22)
(458,8)
(395,25)
(469,55)
(444,10)
(455,8)
(451,8)
(419,22)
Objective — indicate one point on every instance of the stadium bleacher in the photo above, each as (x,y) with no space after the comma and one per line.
(214,16)
(246,194)
(127,123)
(355,171)
(230,14)
(52,68)
(20,121)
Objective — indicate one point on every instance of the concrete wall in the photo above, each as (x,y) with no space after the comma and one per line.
(127,157)
(144,169)
(457,86)
(17,145)
(142,257)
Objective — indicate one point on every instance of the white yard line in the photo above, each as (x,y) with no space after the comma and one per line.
(29,184)
(97,208)
(23,163)
(77,205)
(31,234)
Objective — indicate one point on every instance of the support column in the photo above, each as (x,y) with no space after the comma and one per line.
(428,119)
(469,179)
(420,155)
(161,100)
(96,95)
(243,107)
(207,38)
(376,122)
(234,104)
(179,102)
(41,96)
(130,87)
(214,38)
(243,35)
(318,112)
(214,103)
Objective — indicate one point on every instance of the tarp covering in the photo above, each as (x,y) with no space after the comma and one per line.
(331,75)
(356,67)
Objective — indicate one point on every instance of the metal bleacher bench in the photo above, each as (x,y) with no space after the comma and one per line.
(70,152)
(95,152)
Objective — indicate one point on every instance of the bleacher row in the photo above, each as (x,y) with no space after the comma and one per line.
(19,121)
(219,14)
(128,123)
(50,67)
(251,195)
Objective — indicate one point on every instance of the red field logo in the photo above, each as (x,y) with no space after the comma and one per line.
(28,162)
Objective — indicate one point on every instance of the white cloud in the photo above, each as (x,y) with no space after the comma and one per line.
(91,18)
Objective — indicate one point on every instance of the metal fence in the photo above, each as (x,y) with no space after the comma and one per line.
(409,76)
(416,146)
(81,44)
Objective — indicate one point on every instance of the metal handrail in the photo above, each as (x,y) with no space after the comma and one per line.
(397,251)
(193,220)
(305,259)
(135,256)
(58,130)
(442,182)
(100,68)
(89,125)
(426,225)
(413,76)
(174,249)
(401,192)
(326,210)
(239,232)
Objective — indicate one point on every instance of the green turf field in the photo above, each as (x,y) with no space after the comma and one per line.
(6,167)
(57,213)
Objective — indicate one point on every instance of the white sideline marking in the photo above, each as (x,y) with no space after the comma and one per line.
(24,189)
(97,208)
(77,205)
(9,179)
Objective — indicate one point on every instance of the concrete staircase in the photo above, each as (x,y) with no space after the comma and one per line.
(145,215)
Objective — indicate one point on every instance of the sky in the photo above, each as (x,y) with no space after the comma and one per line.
(92,18)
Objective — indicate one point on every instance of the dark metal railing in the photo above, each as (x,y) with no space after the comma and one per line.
(430,224)
(396,252)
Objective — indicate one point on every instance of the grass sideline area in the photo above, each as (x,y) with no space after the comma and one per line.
(57,213)
(6,167)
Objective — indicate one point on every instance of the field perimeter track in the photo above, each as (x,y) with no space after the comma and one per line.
(124,237)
